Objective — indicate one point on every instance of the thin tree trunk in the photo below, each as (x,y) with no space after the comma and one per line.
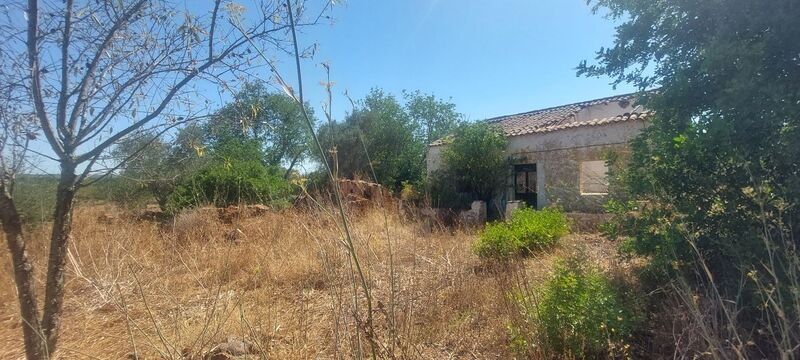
(23,277)
(56,266)
(291,166)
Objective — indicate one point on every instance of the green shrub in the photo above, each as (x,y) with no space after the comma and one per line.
(229,184)
(528,230)
(580,313)
(474,160)
(443,192)
(35,197)
(714,175)
(128,194)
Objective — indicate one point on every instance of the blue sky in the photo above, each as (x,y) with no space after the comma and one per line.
(491,57)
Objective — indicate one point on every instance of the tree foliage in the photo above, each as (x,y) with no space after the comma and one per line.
(151,163)
(716,175)
(433,118)
(272,119)
(383,135)
(475,160)
(231,157)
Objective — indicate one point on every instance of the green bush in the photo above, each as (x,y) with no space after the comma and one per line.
(229,184)
(443,192)
(528,230)
(475,160)
(714,175)
(35,197)
(580,313)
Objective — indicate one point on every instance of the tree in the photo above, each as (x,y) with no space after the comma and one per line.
(273,119)
(99,71)
(233,175)
(475,160)
(383,135)
(433,118)
(157,164)
(378,135)
(17,129)
(720,161)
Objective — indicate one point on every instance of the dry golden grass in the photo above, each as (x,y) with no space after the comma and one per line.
(283,281)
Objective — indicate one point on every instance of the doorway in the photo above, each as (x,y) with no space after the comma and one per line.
(525,184)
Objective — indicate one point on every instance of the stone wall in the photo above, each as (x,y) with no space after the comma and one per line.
(558,174)
(558,155)
(433,161)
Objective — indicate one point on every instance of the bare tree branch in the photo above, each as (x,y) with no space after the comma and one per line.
(86,81)
(36,83)
(61,111)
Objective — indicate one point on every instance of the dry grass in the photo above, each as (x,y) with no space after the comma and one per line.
(283,281)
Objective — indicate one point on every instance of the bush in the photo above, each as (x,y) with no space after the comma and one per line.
(475,160)
(714,175)
(35,197)
(443,193)
(528,230)
(229,184)
(580,313)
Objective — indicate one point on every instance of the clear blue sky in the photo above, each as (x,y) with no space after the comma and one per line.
(491,57)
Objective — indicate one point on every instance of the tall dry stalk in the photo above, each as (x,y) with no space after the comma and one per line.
(718,318)
(298,97)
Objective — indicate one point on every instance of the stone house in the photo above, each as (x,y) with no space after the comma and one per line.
(558,154)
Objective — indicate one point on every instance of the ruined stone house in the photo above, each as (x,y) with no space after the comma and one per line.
(558,154)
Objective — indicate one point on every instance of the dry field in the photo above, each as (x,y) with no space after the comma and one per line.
(284,283)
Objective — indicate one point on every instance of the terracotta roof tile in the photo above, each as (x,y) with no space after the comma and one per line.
(558,118)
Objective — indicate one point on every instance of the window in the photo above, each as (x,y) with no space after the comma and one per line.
(594,178)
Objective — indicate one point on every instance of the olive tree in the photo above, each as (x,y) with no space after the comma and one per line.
(272,119)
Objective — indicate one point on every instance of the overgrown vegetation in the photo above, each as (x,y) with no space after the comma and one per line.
(234,176)
(235,184)
(154,166)
(474,166)
(245,153)
(86,75)
(577,313)
(527,231)
(714,178)
(707,209)
(387,136)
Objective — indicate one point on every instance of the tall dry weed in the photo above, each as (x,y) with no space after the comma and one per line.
(183,287)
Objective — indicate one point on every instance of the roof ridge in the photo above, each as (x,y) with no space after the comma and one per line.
(552,108)
(554,127)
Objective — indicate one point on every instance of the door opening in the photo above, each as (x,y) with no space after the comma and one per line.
(525,184)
